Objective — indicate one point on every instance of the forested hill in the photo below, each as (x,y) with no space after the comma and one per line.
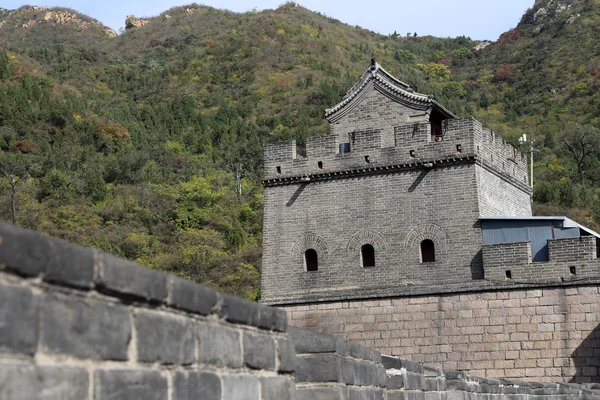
(149,144)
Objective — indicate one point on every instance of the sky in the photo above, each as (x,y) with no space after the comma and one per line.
(480,20)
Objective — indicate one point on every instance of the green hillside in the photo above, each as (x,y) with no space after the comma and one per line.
(541,78)
(149,144)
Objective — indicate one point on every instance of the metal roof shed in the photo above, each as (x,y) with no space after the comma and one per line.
(537,230)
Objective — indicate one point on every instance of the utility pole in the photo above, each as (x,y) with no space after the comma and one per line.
(531,151)
(523,141)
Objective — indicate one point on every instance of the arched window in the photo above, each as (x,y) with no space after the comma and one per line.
(311,260)
(427,251)
(367,253)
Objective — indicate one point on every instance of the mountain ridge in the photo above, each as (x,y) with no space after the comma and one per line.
(148,144)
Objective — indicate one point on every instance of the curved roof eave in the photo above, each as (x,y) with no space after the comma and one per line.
(396,90)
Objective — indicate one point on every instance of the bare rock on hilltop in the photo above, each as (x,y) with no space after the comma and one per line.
(482,45)
(133,22)
(545,10)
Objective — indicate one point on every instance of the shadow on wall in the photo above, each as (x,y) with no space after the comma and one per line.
(296,194)
(477,271)
(586,359)
(418,180)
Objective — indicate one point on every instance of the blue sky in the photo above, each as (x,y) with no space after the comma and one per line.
(443,18)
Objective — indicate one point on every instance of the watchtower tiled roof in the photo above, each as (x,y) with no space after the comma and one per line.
(377,78)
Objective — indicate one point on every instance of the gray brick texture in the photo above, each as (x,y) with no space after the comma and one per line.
(165,339)
(259,351)
(85,329)
(219,346)
(21,382)
(32,254)
(130,385)
(129,333)
(278,388)
(532,334)
(571,259)
(197,385)
(19,313)
(129,279)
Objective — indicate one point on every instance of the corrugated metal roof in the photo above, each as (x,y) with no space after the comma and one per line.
(538,232)
(524,218)
(566,222)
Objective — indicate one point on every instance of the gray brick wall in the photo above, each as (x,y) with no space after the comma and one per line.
(393,212)
(377,112)
(571,250)
(330,368)
(506,254)
(394,189)
(408,380)
(533,334)
(569,259)
(78,324)
(499,197)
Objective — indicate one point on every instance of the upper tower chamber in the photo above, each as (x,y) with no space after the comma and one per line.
(391,197)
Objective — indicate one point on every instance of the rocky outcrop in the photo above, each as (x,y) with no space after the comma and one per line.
(109,32)
(29,16)
(482,45)
(190,11)
(27,9)
(545,10)
(66,18)
(133,22)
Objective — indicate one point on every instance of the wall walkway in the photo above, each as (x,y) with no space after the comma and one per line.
(79,324)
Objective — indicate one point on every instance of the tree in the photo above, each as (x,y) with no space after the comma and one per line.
(454,90)
(549,141)
(56,185)
(582,143)
(4,67)
(435,71)
(14,168)
(484,101)
(241,148)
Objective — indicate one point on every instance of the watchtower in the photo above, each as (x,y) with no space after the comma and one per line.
(391,197)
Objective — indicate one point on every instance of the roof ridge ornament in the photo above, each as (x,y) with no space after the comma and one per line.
(374,65)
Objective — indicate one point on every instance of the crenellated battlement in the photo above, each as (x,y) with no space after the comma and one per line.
(495,151)
(569,258)
(413,146)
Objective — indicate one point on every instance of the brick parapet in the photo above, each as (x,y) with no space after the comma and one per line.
(545,272)
(330,368)
(78,324)
(500,255)
(408,380)
(412,144)
(498,153)
(569,250)
(570,259)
